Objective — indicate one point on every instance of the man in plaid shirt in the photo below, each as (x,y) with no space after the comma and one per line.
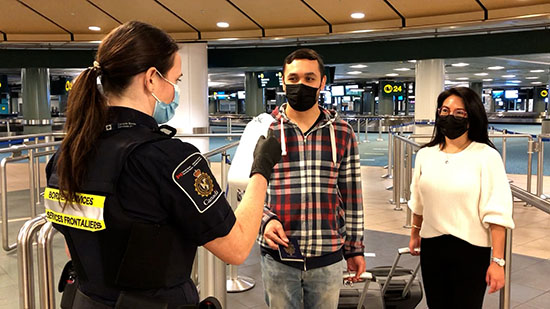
(314,196)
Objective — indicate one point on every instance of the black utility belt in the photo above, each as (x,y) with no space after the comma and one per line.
(128,300)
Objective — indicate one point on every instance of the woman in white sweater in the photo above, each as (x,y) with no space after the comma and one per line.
(462,204)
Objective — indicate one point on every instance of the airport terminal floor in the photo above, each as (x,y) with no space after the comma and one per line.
(384,232)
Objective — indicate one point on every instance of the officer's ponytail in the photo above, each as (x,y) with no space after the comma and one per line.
(128,50)
(86,118)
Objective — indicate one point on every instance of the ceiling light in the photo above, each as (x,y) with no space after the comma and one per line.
(509,76)
(460,64)
(222,24)
(497,67)
(537,71)
(481,74)
(94,28)
(514,81)
(536,83)
(358,66)
(392,74)
(532,77)
(487,79)
(362,31)
(228,39)
(402,69)
(357,15)
(448,82)
(355,72)
(462,78)
(412,61)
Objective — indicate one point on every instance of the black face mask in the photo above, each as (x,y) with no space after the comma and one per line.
(301,97)
(452,127)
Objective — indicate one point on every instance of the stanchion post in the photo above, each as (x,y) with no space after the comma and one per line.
(358,130)
(396,173)
(506,290)
(45,266)
(504,147)
(380,130)
(366,140)
(229,128)
(540,167)
(530,145)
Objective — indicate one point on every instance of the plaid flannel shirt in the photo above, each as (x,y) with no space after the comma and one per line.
(315,190)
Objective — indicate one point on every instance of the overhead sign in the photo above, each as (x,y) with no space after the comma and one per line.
(392,88)
(543,93)
(270,79)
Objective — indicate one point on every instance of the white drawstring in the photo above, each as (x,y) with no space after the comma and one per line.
(283,142)
(332,143)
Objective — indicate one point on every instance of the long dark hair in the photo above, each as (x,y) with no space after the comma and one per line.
(477,117)
(129,49)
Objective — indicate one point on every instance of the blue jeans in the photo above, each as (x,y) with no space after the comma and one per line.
(288,287)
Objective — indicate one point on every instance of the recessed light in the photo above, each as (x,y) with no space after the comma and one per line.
(462,78)
(448,82)
(392,74)
(536,83)
(481,74)
(497,67)
(94,28)
(228,39)
(402,69)
(355,72)
(357,15)
(411,61)
(514,81)
(532,77)
(362,31)
(460,64)
(487,79)
(509,76)
(358,66)
(222,24)
(537,71)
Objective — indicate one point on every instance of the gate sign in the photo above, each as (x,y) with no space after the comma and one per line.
(392,88)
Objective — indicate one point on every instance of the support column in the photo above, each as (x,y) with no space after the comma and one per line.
(35,88)
(254,99)
(430,82)
(385,101)
(477,86)
(540,94)
(192,112)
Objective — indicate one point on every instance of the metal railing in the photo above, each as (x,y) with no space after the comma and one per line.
(32,156)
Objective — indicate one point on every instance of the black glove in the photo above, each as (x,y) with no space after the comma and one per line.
(266,154)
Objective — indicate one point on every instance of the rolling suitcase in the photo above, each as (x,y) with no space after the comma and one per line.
(389,287)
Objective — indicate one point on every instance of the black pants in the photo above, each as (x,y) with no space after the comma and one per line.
(453,272)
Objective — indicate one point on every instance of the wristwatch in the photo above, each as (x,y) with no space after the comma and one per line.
(500,262)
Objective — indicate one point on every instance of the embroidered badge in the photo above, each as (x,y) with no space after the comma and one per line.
(203,183)
(194,177)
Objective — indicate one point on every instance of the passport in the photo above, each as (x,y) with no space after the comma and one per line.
(292,252)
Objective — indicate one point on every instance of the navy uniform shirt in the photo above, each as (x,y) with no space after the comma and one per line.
(169,181)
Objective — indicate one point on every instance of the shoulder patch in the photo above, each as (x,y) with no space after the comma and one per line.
(195,179)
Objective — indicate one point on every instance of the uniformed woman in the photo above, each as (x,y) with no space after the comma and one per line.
(133,203)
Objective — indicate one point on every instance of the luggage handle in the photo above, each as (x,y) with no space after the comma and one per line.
(366,277)
(400,252)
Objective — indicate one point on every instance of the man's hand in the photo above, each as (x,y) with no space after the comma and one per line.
(495,277)
(275,234)
(357,264)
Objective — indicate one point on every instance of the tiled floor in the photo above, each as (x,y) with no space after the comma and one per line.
(384,234)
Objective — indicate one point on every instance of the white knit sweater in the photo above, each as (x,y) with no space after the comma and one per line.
(460,194)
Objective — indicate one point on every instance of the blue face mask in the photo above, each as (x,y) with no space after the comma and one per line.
(165,111)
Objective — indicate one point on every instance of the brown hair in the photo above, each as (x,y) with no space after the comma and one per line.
(128,50)
(305,53)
